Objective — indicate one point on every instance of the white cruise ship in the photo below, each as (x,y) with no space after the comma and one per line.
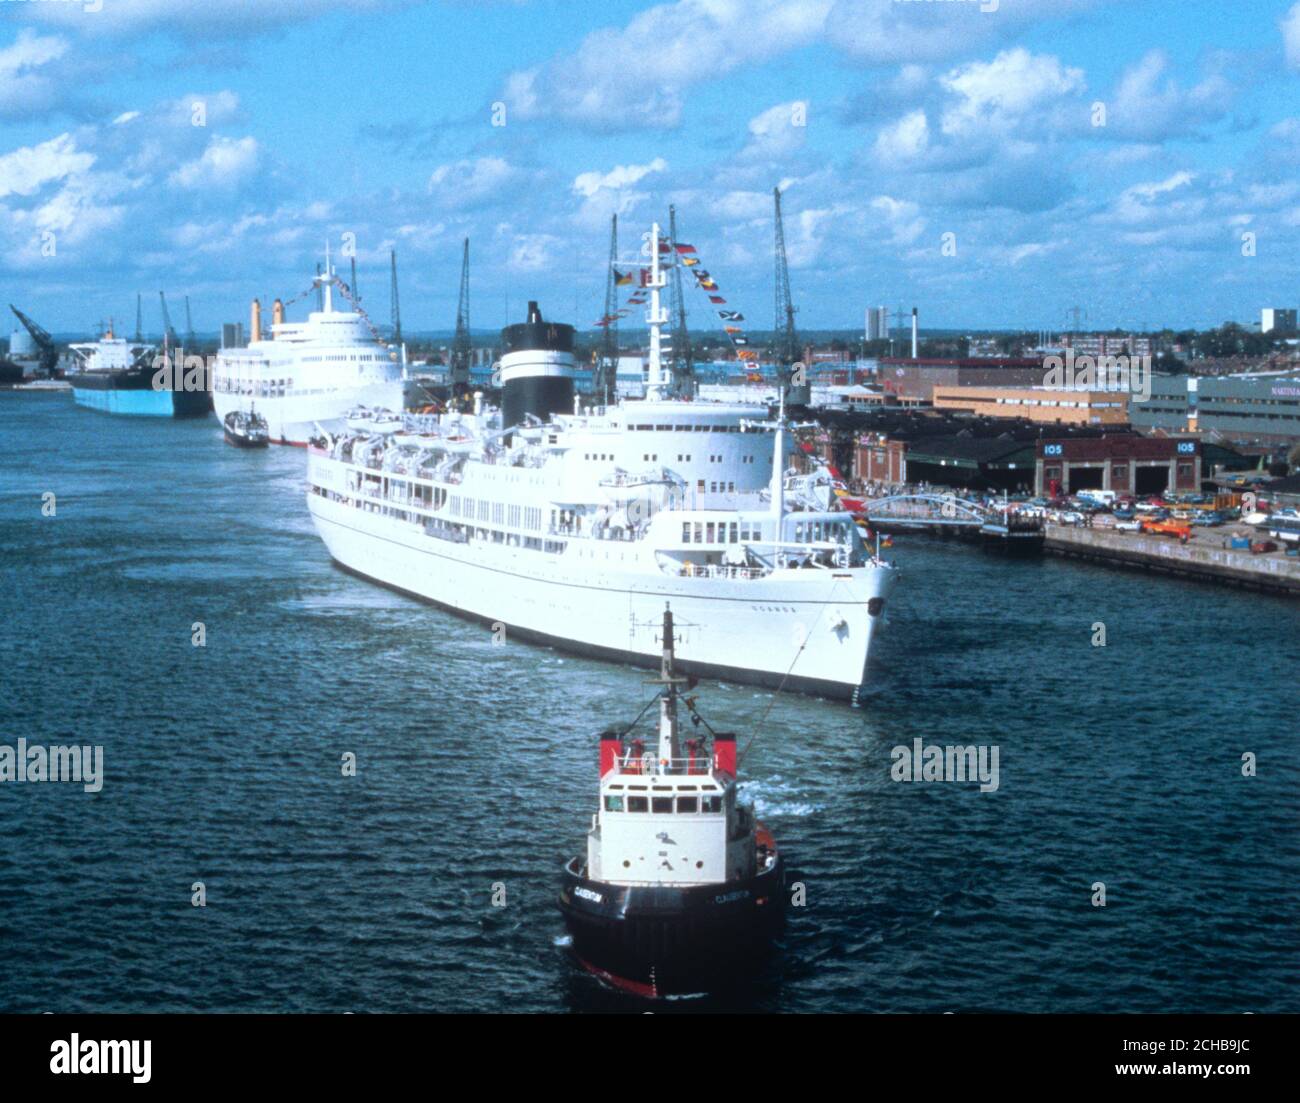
(306,376)
(576,528)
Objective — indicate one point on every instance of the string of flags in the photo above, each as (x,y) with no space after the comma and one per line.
(688,256)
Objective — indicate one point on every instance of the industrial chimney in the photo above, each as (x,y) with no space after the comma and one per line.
(536,369)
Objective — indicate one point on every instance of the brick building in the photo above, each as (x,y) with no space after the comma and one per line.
(1122,462)
(1048,405)
(916,379)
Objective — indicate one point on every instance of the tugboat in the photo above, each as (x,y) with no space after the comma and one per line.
(246,429)
(681,890)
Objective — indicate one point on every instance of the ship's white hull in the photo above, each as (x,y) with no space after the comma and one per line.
(808,629)
(294,419)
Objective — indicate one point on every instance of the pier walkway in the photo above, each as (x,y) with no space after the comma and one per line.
(1204,557)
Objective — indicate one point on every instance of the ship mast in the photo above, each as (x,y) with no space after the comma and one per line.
(778,466)
(327,282)
(669,748)
(657,317)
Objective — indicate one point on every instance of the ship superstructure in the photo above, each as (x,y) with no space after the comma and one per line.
(681,888)
(574,527)
(305,376)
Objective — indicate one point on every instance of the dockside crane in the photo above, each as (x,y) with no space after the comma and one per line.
(189,324)
(607,365)
(785,338)
(462,351)
(683,361)
(356,295)
(139,319)
(392,292)
(49,362)
(169,334)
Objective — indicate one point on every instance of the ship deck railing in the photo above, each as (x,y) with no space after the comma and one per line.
(648,765)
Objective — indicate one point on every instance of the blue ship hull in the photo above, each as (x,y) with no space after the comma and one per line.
(146,402)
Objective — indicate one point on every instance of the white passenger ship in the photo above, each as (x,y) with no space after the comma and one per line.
(574,528)
(306,376)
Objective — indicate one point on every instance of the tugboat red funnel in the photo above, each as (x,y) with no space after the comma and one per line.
(681,890)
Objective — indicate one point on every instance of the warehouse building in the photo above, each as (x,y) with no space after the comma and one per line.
(1249,409)
(1122,462)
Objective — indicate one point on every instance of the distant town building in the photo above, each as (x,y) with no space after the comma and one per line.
(877,323)
(232,335)
(813,356)
(1273,319)
(1050,405)
(1108,344)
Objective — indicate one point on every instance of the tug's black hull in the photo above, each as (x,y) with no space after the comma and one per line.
(662,941)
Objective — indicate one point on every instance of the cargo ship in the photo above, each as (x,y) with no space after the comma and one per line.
(681,890)
(117,376)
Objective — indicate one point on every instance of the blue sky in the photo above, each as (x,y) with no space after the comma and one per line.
(920,118)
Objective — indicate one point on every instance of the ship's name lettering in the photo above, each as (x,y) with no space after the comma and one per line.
(587,894)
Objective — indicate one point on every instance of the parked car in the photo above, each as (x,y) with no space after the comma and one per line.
(1213,517)
(1127,513)
(1130,524)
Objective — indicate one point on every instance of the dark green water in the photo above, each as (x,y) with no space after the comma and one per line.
(477,766)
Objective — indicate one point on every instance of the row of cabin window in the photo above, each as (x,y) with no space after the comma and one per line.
(719,532)
(663,806)
(496,513)
(817,531)
(685,428)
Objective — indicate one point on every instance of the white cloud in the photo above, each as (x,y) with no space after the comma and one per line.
(190,17)
(26,83)
(587,184)
(905,140)
(613,192)
(1156,200)
(225,164)
(1291,36)
(635,76)
(778,132)
(25,171)
(1149,105)
(886,31)
(471,183)
(531,252)
(901,216)
(999,93)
